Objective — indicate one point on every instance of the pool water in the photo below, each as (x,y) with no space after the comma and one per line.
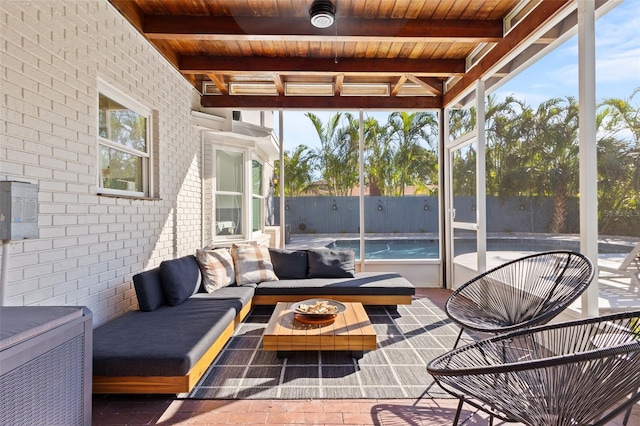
(392,248)
(399,248)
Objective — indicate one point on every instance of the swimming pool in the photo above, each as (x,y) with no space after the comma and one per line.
(428,248)
(392,248)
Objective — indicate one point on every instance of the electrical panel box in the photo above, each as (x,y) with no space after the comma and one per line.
(18,210)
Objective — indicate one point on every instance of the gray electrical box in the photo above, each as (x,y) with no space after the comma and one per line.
(18,210)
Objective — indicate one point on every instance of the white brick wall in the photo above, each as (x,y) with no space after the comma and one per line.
(52,54)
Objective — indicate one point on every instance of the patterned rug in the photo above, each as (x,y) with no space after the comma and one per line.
(408,338)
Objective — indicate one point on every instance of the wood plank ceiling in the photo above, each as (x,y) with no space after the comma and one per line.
(378,54)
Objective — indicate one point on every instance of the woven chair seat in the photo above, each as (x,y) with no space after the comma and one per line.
(574,373)
(521,293)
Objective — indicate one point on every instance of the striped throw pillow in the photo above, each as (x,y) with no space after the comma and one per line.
(252,264)
(216,267)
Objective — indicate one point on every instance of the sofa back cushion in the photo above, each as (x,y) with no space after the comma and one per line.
(216,267)
(149,290)
(327,263)
(180,279)
(289,264)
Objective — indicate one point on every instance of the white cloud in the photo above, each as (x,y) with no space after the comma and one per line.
(618,45)
(622,66)
(532,98)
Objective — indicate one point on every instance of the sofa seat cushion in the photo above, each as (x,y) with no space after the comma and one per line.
(364,283)
(240,293)
(166,342)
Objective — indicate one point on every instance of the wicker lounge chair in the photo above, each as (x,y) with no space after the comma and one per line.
(575,373)
(521,293)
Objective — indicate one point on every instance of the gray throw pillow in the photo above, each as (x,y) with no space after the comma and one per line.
(289,264)
(327,263)
(180,279)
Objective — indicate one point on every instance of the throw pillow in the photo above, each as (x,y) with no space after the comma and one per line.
(252,264)
(180,279)
(327,263)
(289,264)
(216,267)
(149,290)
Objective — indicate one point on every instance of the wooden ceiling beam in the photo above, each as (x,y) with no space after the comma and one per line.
(218,80)
(277,79)
(338,84)
(398,84)
(321,102)
(161,27)
(131,11)
(545,11)
(202,64)
(432,85)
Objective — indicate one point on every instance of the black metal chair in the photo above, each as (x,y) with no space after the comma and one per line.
(521,293)
(583,372)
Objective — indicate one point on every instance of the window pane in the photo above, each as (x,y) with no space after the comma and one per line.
(122,125)
(401,199)
(256,177)
(228,214)
(256,205)
(463,162)
(229,171)
(120,170)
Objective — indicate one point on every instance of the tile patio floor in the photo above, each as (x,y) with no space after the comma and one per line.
(137,410)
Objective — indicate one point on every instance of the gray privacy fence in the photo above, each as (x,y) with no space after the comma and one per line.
(339,215)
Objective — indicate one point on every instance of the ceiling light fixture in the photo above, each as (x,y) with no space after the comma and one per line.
(322,13)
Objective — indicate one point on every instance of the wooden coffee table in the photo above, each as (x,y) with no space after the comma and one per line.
(350,331)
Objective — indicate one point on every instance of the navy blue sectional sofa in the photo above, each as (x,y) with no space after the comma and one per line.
(168,344)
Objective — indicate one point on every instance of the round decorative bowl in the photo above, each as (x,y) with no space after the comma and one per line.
(317,311)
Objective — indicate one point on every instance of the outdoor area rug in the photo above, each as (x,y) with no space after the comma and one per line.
(408,338)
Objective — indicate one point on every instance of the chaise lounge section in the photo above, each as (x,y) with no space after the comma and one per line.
(168,344)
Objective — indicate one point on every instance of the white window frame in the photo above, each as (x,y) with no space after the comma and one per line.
(147,158)
(247,195)
(243,195)
(260,196)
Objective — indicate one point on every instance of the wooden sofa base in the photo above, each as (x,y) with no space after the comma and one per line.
(365,300)
(169,384)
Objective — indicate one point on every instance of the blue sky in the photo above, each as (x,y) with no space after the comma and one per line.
(555,75)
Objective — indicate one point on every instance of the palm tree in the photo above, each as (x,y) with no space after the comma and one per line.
(411,160)
(298,171)
(554,155)
(378,157)
(623,115)
(461,122)
(505,163)
(619,166)
(337,155)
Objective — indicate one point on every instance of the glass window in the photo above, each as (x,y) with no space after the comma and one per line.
(400,179)
(229,193)
(123,148)
(257,197)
